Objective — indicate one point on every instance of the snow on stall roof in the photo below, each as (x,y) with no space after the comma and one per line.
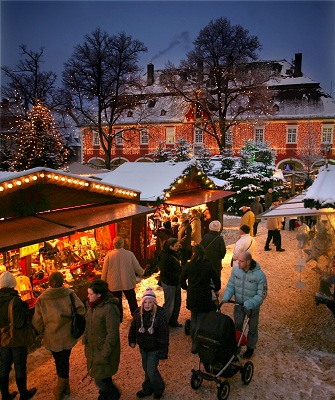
(151,179)
(323,188)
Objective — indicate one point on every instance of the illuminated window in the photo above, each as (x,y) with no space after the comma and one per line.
(198,135)
(259,135)
(327,134)
(118,138)
(96,139)
(291,134)
(170,135)
(144,137)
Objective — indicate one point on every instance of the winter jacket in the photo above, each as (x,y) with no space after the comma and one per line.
(273,224)
(249,288)
(20,309)
(169,267)
(162,234)
(102,339)
(158,340)
(196,230)
(244,243)
(257,208)
(184,235)
(196,278)
(215,249)
(120,269)
(52,318)
(248,218)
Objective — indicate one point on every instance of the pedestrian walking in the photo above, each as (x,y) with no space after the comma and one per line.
(257,208)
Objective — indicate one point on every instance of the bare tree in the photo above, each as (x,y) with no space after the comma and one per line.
(102,78)
(28,84)
(220,79)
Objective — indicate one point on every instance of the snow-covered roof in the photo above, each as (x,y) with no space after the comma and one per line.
(322,192)
(151,179)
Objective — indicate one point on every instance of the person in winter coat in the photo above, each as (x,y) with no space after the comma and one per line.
(184,237)
(102,339)
(162,234)
(18,355)
(196,227)
(248,218)
(198,277)
(170,271)
(268,199)
(248,284)
(257,208)
(52,319)
(119,271)
(274,226)
(244,243)
(215,248)
(150,331)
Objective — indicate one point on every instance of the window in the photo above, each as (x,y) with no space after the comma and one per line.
(259,135)
(198,135)
(118,138)
(291,134)
(144,137)
(129,114)
(170,135)
(327,134)
(163,113)
(96,139)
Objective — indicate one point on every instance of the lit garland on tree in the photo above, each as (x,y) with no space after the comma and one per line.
(39,143)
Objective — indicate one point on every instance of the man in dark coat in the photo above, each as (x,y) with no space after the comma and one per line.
(184,238)
(215,248)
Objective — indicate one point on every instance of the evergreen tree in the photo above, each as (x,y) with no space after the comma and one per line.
(251,176)
(182,151)
(161,154)
(39,143)
(6,154)
(203,157)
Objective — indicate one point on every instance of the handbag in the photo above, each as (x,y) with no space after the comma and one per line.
(78,323)
(10,336)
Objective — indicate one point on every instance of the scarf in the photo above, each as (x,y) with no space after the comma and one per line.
(93,304)
(151,329)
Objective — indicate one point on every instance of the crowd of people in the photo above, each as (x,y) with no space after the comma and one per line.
(189,258)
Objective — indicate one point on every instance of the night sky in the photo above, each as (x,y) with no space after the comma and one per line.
(168,28)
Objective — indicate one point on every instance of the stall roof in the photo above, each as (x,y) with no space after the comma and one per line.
(196,197)
(322,192)
(24,231)
(153,179)
(294,207)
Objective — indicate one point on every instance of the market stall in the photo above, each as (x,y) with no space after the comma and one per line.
(53,220)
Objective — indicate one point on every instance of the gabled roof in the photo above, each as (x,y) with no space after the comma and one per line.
(322,192)
(162,181)
(44,189)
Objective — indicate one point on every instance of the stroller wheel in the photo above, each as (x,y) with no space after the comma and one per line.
(247,372)
(187,327)
(196,381)
(223,390)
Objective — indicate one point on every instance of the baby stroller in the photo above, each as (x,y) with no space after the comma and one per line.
(219,345)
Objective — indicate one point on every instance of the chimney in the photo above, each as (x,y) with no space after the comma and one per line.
(297,65)
(150,74)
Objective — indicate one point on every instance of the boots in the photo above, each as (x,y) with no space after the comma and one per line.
(61,387)
(4,389)
(25,394)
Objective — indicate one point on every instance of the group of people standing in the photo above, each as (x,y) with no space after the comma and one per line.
(189,261)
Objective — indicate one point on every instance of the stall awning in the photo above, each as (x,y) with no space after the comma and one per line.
(19,232)
(294,207)
(196,197)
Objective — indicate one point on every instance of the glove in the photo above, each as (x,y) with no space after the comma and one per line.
(247,312)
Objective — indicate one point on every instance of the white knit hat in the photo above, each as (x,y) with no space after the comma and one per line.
(7,280)
(149,294)
(215,226)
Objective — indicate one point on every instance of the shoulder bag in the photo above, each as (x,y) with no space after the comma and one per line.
(78,321)
(10,336)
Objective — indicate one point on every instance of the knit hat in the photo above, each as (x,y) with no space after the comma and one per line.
(148,294)
(215,226)
(245,229)
(7,280)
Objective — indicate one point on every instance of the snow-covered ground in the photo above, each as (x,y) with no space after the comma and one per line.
(295,357)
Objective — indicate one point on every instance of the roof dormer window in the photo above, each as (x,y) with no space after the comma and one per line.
(163,112)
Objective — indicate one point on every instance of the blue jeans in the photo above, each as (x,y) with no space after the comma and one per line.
(239,316)
(153,381)
(172,302)
(18,355)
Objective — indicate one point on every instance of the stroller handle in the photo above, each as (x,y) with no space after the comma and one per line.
(230,301)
